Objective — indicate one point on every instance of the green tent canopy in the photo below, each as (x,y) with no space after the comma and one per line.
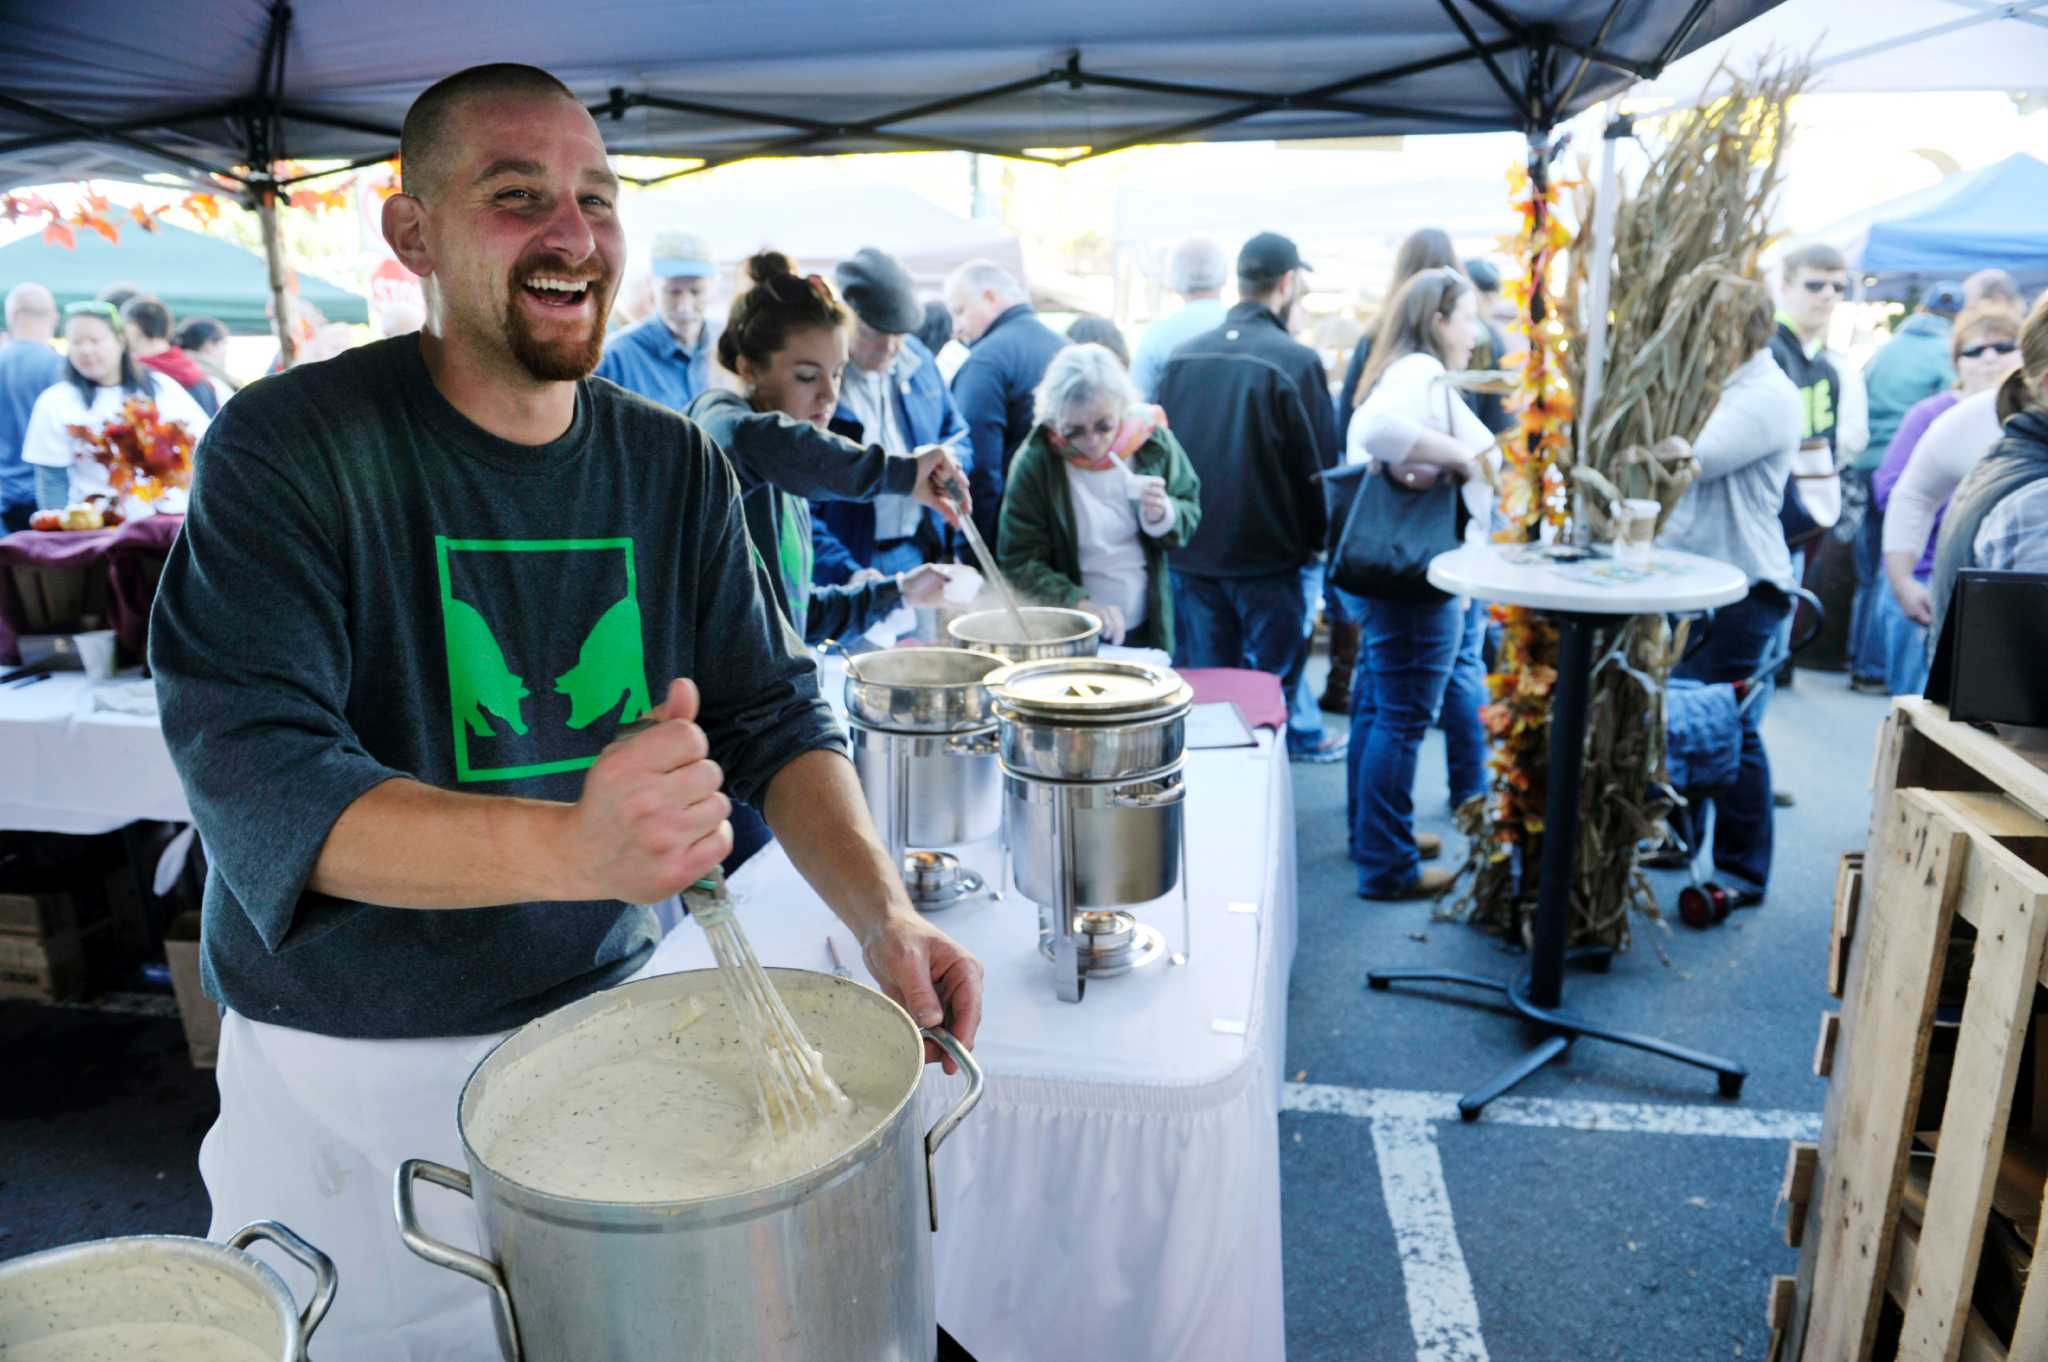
(195,275)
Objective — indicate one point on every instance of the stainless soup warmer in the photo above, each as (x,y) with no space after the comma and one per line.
(1094,793)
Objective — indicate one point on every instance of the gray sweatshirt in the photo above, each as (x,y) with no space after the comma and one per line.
(370,586)
(1745,452)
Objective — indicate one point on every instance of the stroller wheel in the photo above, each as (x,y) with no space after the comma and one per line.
(1720,898)
(1695,908)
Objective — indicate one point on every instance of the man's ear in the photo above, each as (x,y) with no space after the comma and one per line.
(405,231)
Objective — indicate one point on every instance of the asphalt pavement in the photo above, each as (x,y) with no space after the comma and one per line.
(1616,1207)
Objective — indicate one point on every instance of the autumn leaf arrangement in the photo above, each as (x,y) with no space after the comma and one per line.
(144,455)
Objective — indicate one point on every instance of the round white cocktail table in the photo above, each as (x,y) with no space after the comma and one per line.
(1579,596)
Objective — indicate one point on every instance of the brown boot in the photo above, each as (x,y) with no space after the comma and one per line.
(1427,884)
(1343,659)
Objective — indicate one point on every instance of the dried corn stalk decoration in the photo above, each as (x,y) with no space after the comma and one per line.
(1696,223)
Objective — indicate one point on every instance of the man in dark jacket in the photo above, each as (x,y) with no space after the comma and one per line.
(1009,349)
(1251,405)
(893,396)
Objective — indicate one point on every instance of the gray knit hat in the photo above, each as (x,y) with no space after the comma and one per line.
(880,292)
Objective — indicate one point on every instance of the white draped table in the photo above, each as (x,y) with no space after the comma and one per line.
(1116,1195)
(67,765)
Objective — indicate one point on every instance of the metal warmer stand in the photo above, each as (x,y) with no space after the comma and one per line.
(1094,792)
(924,746)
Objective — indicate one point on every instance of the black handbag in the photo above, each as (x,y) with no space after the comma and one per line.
(1384,534)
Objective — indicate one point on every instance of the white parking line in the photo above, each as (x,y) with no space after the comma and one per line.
(1637,1118)
(1443,1312)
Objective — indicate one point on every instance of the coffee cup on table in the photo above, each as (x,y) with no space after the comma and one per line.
(1637,528)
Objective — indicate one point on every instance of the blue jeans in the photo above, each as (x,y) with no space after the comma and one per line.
(1743,635)
(1304,709)
(1464,697)
(1905,644)
(1254,622)
(1866,632)
(1406,655)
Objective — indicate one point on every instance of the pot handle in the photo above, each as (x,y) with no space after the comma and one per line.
(306,1256)
(936,1136)
(972,744)
(444,1255)
(1153,799)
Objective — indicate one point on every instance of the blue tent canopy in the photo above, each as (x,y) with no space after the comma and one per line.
(1995,217)
(193,274)
(197,88)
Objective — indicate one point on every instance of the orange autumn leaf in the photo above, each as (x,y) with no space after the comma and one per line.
(57,234)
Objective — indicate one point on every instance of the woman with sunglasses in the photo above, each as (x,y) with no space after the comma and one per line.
(1984,348)
(100,376)
(1099,492)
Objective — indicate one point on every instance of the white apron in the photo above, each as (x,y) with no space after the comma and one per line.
(311,1132)
(312,1129)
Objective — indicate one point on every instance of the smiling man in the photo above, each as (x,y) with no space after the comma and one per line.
(422,590)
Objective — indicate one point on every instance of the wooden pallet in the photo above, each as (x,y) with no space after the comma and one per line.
(1949,904)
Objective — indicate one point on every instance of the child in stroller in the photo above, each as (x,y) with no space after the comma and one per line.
(1704,727)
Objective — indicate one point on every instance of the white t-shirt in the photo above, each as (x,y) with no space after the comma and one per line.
(1409,397)
(50,445)
(1106,525)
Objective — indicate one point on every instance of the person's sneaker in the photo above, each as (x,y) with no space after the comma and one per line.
(1666,857)
(1427,884)
(1331,749)
(1429,845)
(1869,685)
(1783,799)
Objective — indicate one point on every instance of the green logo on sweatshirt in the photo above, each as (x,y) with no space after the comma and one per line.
(506,704)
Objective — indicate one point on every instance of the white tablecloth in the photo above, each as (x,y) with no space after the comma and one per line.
(66,766)
(1116,1195)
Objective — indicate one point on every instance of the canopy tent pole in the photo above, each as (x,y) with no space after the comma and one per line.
(1601,281)
(280,291)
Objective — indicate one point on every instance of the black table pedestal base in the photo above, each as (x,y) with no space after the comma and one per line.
(1561,1030)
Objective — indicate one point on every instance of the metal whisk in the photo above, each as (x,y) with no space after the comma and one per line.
(789,1079)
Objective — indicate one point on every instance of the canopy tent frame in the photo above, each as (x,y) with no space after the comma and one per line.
(1540,102)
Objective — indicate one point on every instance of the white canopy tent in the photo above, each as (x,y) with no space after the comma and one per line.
(1877,46)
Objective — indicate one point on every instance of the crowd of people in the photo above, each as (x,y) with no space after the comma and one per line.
(1173,487)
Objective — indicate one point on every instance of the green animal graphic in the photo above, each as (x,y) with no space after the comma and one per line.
(478,678)
(609,668)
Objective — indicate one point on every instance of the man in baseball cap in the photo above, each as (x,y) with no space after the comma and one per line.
(1251,406)
(893,395)
(669,356)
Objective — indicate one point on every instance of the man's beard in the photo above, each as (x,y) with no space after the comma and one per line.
(557,361)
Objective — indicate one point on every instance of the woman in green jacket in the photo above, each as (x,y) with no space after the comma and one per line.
(1097,495)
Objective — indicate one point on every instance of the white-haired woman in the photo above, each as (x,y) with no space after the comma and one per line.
(1099,492)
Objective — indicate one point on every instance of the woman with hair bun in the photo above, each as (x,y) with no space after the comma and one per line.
(785,344)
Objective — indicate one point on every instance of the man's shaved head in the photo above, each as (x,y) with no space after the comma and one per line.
(423,141)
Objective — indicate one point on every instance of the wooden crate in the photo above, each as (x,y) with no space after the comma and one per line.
(50,969)
(42,915)
(1950,907)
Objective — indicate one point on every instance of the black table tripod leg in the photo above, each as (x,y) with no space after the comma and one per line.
(1729,1073)
(1474,1102)
(1380,978)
